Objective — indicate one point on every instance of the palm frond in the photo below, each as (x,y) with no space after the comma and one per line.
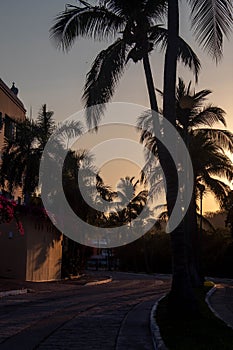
(89,21)
(200,96)
(185,53)
(209,116)
(156,9)
(102,79)
(222,138)
(181,89)
(206,223)
(211,20)
(221,166)
(131,8)
(217,187)
(68,131)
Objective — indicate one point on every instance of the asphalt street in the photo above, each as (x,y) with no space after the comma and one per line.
(109,316)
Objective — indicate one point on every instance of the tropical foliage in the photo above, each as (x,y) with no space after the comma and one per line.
(134,26)
(21,156)
(195,122)
(228,207)
(8,213)
(130,201)
(211,20)
(137,23)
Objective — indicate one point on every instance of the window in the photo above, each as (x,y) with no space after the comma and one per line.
(10,128)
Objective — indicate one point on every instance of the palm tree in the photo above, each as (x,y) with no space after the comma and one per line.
(211,20)
(207,145)
(20,160)
(131,202)
(80,163)
(45,125)
(21,156)
(228,207)
(134,25)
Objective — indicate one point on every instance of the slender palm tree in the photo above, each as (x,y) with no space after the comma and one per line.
(131,202)
(134,26)
(45,125)
(20,160)
(228,207)
(211,21)
(21,156)
(195,122)
(207,145)
(78,164)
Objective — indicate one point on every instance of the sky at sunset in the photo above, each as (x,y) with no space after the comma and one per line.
(46,75)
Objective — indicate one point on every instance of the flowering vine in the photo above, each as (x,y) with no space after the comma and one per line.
(8,213)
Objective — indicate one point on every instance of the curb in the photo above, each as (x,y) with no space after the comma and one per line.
(154,328)
(96,283)
(13,292)
(207,300)
(208,295)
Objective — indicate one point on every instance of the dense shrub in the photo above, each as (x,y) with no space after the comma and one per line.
(152,253)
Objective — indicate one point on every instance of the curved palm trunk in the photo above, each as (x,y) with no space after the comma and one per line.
(181,295)
(150,83)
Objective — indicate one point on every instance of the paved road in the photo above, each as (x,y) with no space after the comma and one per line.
(110,316)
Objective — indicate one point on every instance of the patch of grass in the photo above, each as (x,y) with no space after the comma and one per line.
(204,332)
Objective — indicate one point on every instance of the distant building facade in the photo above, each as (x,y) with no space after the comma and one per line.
(12,111)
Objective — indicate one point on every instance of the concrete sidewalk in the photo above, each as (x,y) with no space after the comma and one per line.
(15,287)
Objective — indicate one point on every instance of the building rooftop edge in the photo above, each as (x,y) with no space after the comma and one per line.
(10,93)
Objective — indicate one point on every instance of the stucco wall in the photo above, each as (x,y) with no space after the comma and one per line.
(10,105)
(44,251)
(36,256)
(12,252)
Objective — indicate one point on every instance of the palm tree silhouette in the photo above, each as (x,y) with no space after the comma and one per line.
(21,156)
(211,21)
(228,207)
(136,21)
(195,122)
(134,26)
(130,201)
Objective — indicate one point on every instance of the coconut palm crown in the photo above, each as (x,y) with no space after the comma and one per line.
(195,121)
(134,27)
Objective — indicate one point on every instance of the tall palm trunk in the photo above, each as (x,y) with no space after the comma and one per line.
(150,83)
(193,244)
(181,295)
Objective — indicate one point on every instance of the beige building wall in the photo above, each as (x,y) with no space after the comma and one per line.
(36,256)
(44,251)
(12,252)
